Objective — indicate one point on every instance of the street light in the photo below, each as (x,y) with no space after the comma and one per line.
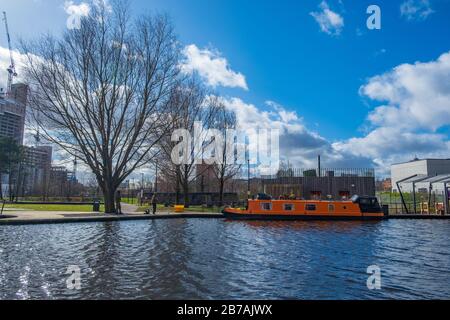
(156,177)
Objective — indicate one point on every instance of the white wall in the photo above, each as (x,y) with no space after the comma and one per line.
(404,170)
(430,167)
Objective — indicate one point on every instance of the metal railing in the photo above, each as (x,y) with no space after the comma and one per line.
(425,204)
(323,172)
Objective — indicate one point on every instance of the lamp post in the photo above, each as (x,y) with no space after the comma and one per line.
(248,178)
(142,187)
(156,177)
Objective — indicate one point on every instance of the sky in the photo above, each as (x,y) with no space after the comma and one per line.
(312,69)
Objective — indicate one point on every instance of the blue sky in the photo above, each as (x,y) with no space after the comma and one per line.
(320,81)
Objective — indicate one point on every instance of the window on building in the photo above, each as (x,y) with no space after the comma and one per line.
(266,206)
(288,207)
(310,207)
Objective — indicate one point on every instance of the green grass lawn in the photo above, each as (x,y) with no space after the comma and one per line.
(54,207)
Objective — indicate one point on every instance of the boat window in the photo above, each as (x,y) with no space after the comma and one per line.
(364,201)
(288,207)
(310,207)
(266,206)
(331,207)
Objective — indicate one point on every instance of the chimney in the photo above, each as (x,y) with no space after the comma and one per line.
(318,166)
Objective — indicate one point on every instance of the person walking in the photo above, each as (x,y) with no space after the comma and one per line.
(118,201)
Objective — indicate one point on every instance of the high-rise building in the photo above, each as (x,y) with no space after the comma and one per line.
(37,175)
(33,173)
(12,112)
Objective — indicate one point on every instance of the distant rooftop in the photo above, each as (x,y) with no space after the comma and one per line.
(425,159)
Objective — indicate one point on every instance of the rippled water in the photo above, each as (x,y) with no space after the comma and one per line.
(213,258)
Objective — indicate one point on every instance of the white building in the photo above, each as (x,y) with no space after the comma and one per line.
(422,168)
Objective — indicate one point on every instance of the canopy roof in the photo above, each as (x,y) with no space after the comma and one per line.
(441,178)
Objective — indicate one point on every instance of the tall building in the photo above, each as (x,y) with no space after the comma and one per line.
(37,174)
(62,181)
(33,173)
(12,112)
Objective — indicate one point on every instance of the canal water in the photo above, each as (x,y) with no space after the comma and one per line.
(218,259)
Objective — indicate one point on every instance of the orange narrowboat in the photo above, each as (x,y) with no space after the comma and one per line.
(264,208)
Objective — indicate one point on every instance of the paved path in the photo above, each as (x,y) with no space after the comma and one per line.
(129,208)
(36,217)
(419,216)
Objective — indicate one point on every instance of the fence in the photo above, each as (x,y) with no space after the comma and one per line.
(425,203)
(323,172)
(335,183)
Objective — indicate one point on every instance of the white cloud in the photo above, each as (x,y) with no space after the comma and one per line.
(250,116)
(298,144)
(329,21)
(417,95)
(416,9)
(81,9)
(75,12)
(416,104)
(212,67)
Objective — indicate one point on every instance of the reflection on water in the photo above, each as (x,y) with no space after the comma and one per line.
(212,258)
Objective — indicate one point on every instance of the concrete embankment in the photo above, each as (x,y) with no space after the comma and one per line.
(46,217)
(18,217)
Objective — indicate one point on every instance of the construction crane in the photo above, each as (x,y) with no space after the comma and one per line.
(12,67)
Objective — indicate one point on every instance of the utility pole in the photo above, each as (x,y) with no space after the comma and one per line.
(156,177)
(75,169)
(248,178)
(318,166)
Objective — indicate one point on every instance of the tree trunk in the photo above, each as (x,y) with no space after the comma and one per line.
(186,194)
(109,192)
(110,206)
(177,188)
(221,183)
(10,187)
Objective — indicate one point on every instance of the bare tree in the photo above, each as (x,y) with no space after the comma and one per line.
(191,105)
(99,92)
(228,165)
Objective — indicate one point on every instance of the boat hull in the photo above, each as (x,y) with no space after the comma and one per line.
(292,217)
